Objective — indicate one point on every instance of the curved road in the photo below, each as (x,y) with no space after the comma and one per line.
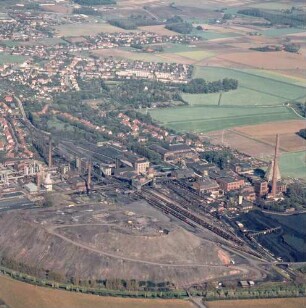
(52,230)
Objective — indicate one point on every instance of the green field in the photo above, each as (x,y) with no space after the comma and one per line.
(285,91)
(277,5)
(177,48)
(239,97)
(293,164)
(8,59)
(273,32)
(259,98)
(277,76)
(59,125)
(196,54)
(211,35)
(206,118)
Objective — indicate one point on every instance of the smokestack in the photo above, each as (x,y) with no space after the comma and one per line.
(89,176)
(275,167)
(50,153)
(38,181)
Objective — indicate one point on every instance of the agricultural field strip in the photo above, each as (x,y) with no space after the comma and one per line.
(204,126)
(268,93)
(254,138)
(51,230)
(243,72)
(264,78)
(218,118)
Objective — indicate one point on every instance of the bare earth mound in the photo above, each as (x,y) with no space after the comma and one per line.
(94,247)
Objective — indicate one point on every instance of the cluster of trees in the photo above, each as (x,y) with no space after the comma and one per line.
(300,108)
(134,285)
(146,152)
(227,16)
(272,291)
(146,118)
(295,196)
(221,158)
(302,133)
(292,48)
(177,24)
(95,2)
(291,18)
(267,48)
(134,21)
(143,93)
(200,85)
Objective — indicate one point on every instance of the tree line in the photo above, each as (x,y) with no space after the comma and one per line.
(177,24)
(134,21)
(277,18)
(146,152)
(144,93)
(95,2)
(302,133)
(221,158)
(200,85)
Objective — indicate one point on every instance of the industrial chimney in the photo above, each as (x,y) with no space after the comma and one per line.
(275,168)
(89,165)
(50,153)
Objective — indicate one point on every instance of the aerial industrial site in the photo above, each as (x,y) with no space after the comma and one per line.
(149,150)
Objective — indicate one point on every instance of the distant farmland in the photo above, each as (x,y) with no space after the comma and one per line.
(259,99)
(86,29)
(205,119)
(285,90)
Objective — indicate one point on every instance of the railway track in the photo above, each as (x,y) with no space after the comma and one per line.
(191,199)
(158,200)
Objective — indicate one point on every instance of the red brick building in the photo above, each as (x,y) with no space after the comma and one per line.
(230,183)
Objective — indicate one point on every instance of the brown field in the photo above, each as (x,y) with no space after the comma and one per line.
(265,60)
(300,34)
(86,29)
(170,57)
(57,8)
(241,143)
(18,294)
(76,39)
(216,28)
(290,141)
(259,140)
(158,57)
(125,3)
(260,303)
(125,54)
(159,29)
